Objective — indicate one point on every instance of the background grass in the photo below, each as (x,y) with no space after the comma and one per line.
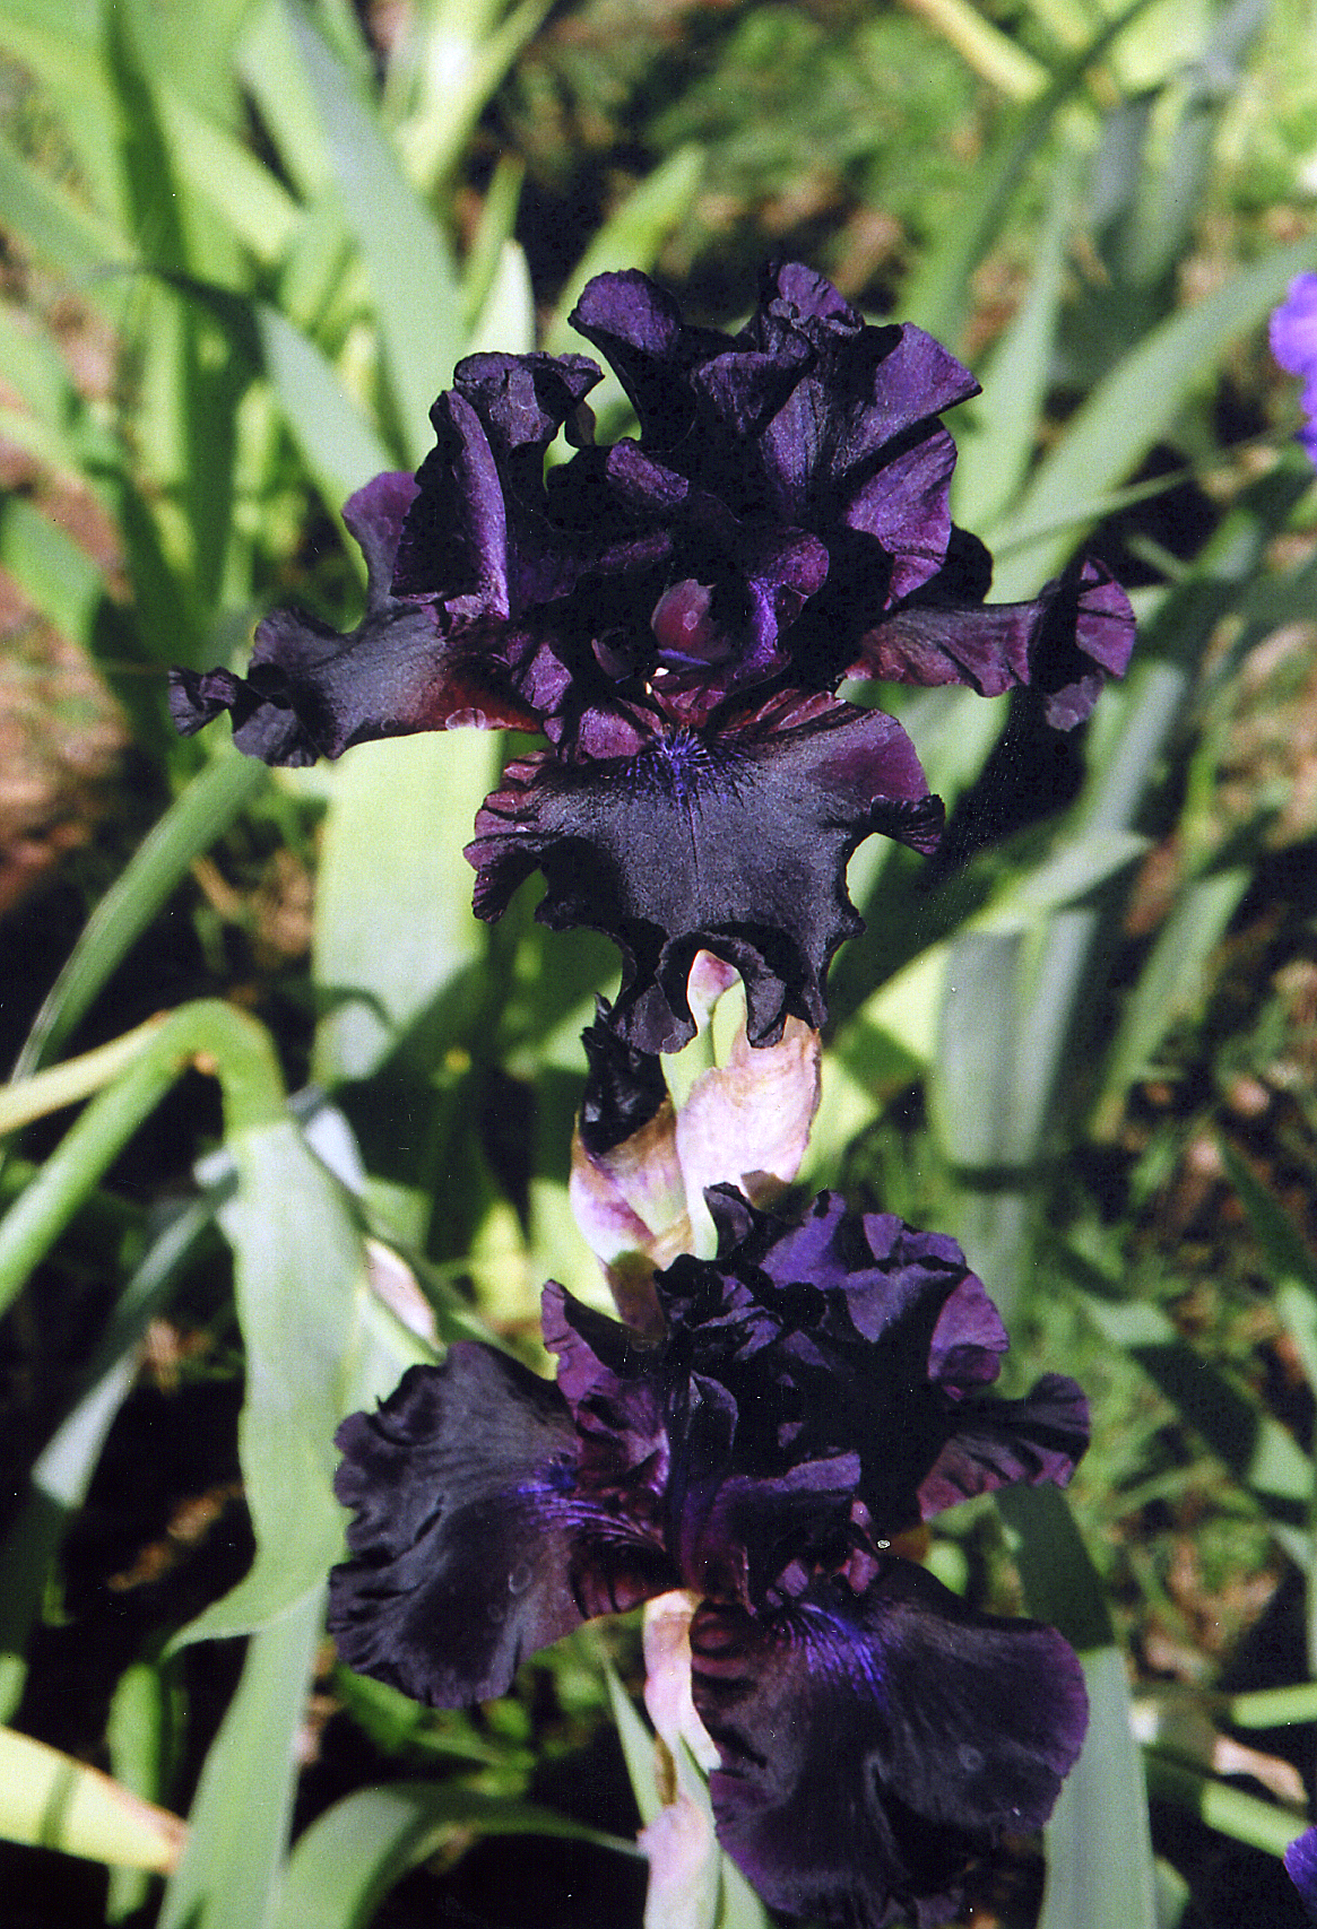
(244,243)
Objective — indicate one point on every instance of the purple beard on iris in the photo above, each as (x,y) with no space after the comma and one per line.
(817,1389)
(676,613)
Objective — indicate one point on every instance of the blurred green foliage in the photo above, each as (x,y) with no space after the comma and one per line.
(244,243)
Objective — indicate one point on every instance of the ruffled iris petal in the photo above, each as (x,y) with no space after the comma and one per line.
(852,1332)
(874,1746)
(868,405)
(905,506)
(311,692)
(805,1393)
(1078,631)
(475,1539)
(783,518)
(812,1389)
(809,414)
(478,537)
(638,326)
(462,1540)
(1003,1443)
(734,842)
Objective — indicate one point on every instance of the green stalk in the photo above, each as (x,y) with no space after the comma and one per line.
(201,814)
(1273,1707)
(209,1035)
(1227,1810)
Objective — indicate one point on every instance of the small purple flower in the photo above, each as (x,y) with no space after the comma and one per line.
(1301,1855)
(1293,336)
(816,1390)
(676,614)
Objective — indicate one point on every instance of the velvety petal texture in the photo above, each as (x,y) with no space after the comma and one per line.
(783,517)
(1065,643)
(734,842)
(875,1745)
(812,1390)
(815,1390)
(676,613)
(875,1334)
(310,692)
(475,1540)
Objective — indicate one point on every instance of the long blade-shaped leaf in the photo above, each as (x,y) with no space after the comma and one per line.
(348,1860)
(1105,1790)
(456,62)
(1287,1252)
(340,447)
(219,169)
(64,46)
(995,452)
(1127,413)
(199,817)
(395,928)
(63,1470)
(1170,984)
(418,297)
(299,1281)
(52,1801)
(1104,1800)
(230,1873)
(938,295)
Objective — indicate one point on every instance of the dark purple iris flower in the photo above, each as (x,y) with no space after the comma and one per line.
(817,1390)
(676,613)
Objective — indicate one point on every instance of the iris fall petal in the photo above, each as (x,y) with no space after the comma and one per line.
(734,842)
(874,1746)
(475,1539)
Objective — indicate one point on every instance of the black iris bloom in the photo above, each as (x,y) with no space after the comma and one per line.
(817,1389)
(675,613)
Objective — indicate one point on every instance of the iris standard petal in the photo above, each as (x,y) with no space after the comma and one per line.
(783,518)
(1075,633)
(312,692)
(852,1332)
